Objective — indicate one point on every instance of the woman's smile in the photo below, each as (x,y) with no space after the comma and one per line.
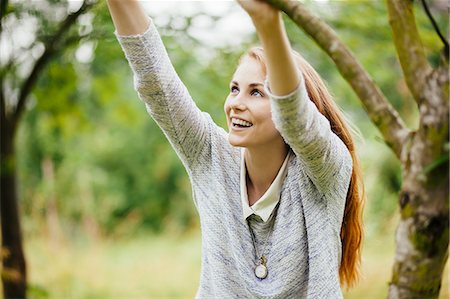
(238,124)
(238,128)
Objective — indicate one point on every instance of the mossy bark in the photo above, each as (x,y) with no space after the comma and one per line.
(422,237)
(423,231)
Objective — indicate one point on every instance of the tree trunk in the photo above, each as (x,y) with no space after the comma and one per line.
(52,215)
(422,238)
(14,268)
(423,231)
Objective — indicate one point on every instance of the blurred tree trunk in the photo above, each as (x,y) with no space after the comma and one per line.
(52,215)
(14,267)
(423,233)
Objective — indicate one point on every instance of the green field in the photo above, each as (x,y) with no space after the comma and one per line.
(150,266)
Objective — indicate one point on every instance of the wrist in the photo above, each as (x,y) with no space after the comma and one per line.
(270,31)
(267,23)
(268,20)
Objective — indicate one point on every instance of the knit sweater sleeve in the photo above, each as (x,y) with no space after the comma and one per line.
(322,154)
(165,96)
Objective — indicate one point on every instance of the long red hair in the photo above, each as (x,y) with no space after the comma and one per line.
(352,224)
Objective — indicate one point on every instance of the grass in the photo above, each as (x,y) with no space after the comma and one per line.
(148,266)
(161,266)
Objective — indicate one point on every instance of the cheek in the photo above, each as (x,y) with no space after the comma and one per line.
(267,124)
(226,105)
(264,114)
(226,109)
(269,127)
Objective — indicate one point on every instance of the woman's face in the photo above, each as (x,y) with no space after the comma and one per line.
(247,108)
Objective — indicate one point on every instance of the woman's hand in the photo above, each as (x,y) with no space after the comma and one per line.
(261,12)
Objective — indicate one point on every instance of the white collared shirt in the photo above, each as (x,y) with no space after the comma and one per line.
(267,203)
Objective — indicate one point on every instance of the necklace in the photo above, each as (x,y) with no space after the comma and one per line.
(261,270)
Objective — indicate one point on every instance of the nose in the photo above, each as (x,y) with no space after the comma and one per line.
(238,103)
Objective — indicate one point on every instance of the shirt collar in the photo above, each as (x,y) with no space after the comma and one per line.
(267,203)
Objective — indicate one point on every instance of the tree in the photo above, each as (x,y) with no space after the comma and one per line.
(14,94)
(422,234)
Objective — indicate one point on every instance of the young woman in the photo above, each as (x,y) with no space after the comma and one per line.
(280,194)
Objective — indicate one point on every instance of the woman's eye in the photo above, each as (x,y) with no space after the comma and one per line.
(257,93)
(234,89)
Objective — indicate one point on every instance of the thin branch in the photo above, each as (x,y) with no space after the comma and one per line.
(409,46)
(3,10)
(380,111)
(52,46)
(436,28)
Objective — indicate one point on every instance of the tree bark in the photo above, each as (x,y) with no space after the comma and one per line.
(422,234)
(14,269)
(409,46)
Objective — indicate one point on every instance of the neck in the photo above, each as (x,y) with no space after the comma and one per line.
(263,164)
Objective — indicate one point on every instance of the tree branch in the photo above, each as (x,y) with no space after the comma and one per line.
(409,46)
(52,46)
(2,102)
(436,28)
(380,111)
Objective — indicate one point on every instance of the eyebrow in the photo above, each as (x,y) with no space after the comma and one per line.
(251,84)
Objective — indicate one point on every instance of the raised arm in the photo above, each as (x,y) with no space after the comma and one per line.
(165,96)
(323,156)
(128,16)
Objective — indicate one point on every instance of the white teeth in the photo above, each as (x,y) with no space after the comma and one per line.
(241,122)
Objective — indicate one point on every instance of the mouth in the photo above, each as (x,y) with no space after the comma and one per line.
(240,124)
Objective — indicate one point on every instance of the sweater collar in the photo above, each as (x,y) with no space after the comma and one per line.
(267,203)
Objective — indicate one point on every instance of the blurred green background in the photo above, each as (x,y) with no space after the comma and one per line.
(106,206)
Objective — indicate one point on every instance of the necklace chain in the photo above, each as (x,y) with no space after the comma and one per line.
(261,257)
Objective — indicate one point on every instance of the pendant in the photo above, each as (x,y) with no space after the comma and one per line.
(261,270)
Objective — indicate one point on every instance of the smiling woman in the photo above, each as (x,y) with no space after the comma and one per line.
(280,194)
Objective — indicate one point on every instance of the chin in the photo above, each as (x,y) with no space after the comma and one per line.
(237,142)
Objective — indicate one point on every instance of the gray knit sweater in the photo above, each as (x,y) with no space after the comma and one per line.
(304,248)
